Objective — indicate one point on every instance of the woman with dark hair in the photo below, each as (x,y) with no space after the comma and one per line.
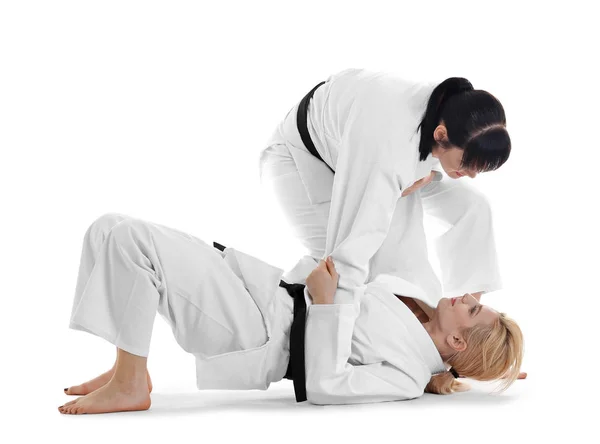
(363,153)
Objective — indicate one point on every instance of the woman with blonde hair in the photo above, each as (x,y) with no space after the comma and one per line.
(504,337)
(235,315)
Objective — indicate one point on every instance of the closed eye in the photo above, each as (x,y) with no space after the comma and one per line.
(476,309)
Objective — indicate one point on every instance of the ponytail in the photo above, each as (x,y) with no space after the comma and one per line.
(445,384)
(493,352)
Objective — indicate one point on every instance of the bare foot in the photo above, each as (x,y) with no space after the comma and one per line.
(94,384)
(111,397)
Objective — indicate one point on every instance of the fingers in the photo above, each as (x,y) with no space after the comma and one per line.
(331,267)
(407,191)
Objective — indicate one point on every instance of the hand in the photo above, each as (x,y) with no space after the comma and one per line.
(419,184)
(322,282)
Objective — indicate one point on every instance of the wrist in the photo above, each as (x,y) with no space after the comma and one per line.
(320,299)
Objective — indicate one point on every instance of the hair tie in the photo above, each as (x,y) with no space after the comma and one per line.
(454,372)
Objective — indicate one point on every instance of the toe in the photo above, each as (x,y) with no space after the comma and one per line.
(76,390)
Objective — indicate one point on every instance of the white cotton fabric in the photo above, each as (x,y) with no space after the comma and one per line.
(363,124)
(227,309)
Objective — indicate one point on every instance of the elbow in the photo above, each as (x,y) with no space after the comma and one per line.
(317,393)
(416,392)
(317,398)
(324,391)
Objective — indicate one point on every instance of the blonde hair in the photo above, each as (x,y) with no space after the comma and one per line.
(492,352)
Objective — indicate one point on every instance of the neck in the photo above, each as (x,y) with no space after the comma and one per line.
(438,338)
(428,318)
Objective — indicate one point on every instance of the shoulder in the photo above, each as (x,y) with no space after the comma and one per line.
(391,98)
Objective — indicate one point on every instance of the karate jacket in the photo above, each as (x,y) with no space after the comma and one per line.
(372,351)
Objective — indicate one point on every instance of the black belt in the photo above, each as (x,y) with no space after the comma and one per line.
(296,370)
(301,123)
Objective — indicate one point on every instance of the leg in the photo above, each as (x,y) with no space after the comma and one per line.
(466,249)
(93,240)
(308,220)
(404,251)
(127,390)
(99,381)
(142,268)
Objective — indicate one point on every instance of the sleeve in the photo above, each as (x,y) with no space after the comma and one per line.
(331,379)
(365,191)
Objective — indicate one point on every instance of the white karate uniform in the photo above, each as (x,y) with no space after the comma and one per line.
(227,309)
(364,126)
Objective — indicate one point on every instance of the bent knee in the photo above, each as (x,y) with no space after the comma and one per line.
(104,224)
(128,228)
(108,220)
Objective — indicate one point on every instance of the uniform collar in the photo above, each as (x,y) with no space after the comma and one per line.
(387,286)
(426,346)
(437,169)
(429,351)
(424,167)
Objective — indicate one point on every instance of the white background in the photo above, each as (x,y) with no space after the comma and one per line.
(159,110)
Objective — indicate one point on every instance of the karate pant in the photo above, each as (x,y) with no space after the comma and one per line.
(130,269)
(466,249)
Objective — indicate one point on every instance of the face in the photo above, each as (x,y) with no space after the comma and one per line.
(456,314)
(450,158)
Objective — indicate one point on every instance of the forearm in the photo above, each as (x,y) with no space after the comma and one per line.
(331,379)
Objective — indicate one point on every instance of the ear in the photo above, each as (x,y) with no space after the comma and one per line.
(456,342)
(440,133)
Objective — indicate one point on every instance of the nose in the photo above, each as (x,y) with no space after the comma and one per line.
(472,174)
(468,299)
